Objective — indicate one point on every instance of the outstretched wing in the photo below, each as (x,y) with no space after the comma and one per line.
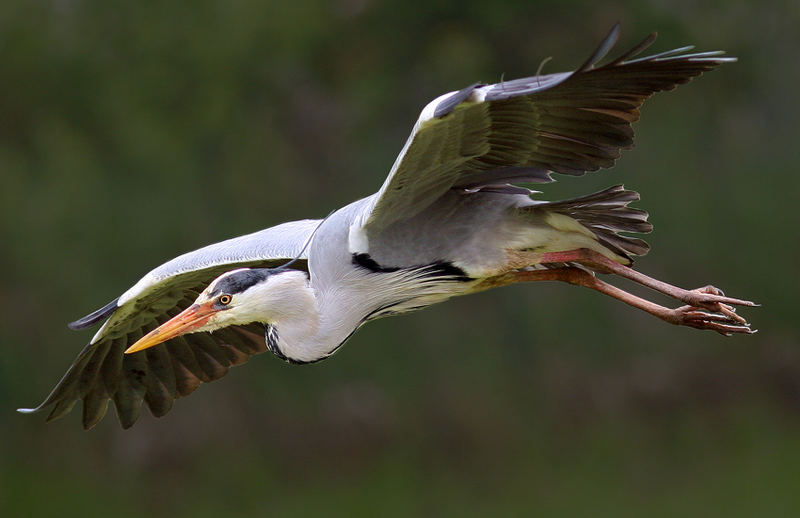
(161,374)
(485,137)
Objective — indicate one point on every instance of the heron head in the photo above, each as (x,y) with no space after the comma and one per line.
(236,297)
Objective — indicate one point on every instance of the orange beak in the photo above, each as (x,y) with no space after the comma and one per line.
(186,321)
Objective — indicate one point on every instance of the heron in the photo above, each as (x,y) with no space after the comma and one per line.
(455,216)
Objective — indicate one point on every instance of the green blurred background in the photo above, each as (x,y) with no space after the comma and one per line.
(133,131)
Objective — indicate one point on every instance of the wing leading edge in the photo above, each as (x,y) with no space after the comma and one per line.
(174,369)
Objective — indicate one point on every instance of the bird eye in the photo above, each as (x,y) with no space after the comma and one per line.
(224,299)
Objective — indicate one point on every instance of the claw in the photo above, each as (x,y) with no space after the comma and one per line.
(711,297)
(727,329)
(712,290)
(730,312)
(716,317)
(724,321)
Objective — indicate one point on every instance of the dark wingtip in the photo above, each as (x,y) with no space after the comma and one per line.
(602,49)
(636,50)
(94,317)
(449,104)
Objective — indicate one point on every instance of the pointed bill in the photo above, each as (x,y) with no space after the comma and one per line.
(187,321)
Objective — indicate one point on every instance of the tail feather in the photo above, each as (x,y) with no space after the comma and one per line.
(605,214)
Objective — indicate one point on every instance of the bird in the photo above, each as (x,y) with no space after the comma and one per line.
(455,216)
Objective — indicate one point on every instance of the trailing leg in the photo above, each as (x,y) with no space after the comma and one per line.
(721,318)
(707,297)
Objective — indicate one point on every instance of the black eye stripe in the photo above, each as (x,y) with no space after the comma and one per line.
(239,281)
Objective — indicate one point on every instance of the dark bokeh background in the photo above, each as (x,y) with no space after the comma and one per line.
(134,131)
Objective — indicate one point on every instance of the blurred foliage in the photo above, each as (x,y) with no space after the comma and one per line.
(133,131)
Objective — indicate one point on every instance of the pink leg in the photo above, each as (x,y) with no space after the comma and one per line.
(720,318)
(707,297)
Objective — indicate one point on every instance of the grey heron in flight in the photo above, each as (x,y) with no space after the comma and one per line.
(450,219)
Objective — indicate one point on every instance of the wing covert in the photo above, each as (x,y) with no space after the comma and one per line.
(484,137)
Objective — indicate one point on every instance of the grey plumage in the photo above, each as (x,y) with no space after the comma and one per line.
(447,220)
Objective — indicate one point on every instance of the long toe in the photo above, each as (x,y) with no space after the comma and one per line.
(711,298)
(724,322)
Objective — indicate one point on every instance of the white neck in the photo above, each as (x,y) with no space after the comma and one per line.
(310,322)
(306,325)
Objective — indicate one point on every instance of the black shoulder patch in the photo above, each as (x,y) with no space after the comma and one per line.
(433,270)
(366,261)
(448,269)
(240,281)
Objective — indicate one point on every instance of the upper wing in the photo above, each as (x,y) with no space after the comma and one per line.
(486,136)
(173,369)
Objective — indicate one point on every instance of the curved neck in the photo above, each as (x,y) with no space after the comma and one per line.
(314,321)
(309,326)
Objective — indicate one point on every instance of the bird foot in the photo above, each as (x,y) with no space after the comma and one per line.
(712,298)
(709,308)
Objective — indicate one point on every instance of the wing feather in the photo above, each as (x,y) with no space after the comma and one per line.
(159,375)
(161,367)
(568,123)
(95,404)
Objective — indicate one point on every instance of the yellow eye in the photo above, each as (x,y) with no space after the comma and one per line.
(224,299)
